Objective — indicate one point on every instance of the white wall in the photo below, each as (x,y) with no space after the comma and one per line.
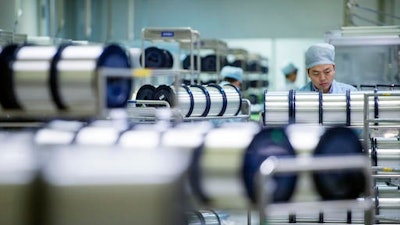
(243,19)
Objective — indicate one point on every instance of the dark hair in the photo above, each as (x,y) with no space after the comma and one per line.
(230,80)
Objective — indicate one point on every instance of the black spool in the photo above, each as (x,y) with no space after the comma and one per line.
(252,66)
(209,63)
(238,63)
(145,92)
(169,59)
(118,89)
(165,93)
(339,184)
(157,58)
(269,142)
(264,69)
(186,62)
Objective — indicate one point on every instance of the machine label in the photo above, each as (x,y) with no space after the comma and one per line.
(167,34)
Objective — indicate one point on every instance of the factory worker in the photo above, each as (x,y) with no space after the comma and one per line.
(290,73)
(232,75)
(320,65)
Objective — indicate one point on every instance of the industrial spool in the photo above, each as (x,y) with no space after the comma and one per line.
(186,62)
(201,100)
(84,61)
(218,100)
(215,184)
(183,96)
(385,152)
(145,92)
(204,217)
(269,142)
(234,100)
(50,78)
(157,58)
(344,184)
(209,63)
(282,108)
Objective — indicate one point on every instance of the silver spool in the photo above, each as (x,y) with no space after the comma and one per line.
(201,103)
(387,208)
(77,71)
(312,107)
(234,100)
(124,185)
(385,191)
(218,100)
(385,143)
(203,217)
(385,152)
(31,75)
(78,79)
(18,170)
(185,100)
(388,158)
(220,164)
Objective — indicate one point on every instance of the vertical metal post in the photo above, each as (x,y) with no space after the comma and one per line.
(109,20)
(366,123)
(130,20)
(88,18)
(52,18)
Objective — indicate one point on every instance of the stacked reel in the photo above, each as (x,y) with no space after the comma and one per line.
(210,100)
(48,81)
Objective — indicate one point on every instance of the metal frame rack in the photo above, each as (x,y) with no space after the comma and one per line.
(218,46)
(187,38)
(182,35)
(368,120)
(273,166)
(374,123)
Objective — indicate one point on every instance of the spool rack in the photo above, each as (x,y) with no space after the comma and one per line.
(218,46)
(273,165)
(148,113)
(183,35)
(370,125)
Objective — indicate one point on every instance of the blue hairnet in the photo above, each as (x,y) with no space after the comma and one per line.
(232,72)
(318,54)
(289,69)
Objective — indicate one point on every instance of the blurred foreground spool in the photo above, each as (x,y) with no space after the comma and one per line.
(49,81)
(18,171)
(126,187)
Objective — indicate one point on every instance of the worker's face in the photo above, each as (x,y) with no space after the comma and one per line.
(322,76)
(292,77)
(236,83)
